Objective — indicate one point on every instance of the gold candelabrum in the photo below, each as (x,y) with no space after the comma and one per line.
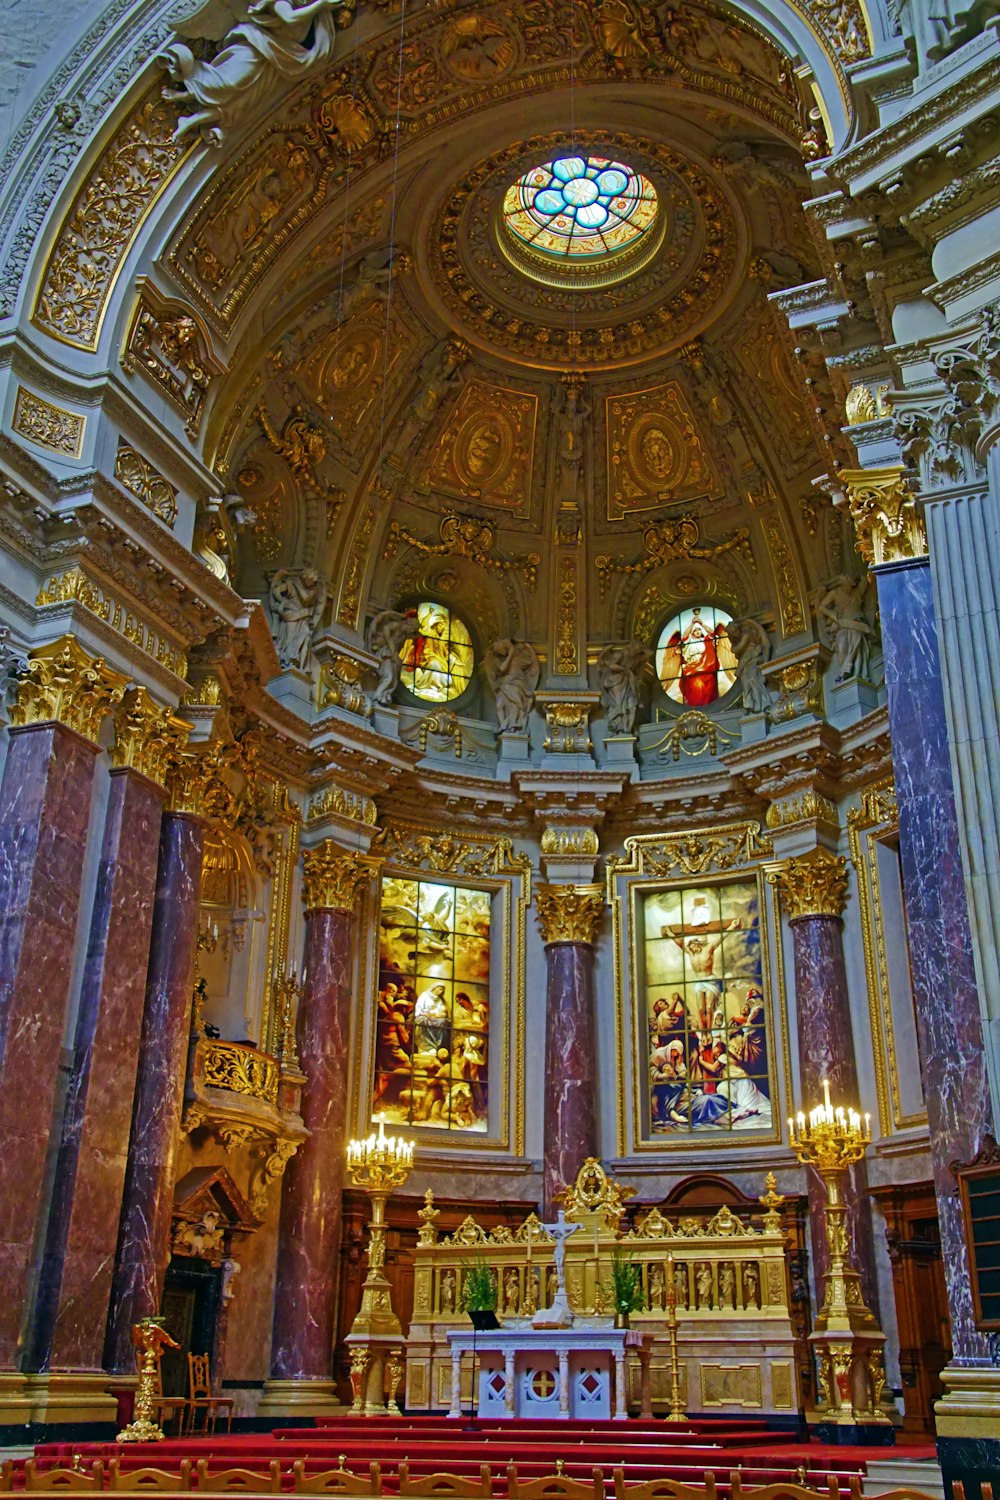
(378,1164)
(149,1338)
(847,1338)
(677,1412)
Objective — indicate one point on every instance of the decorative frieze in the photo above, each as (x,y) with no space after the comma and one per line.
(60,683)
(812,885)
(569,913)
(807,807)
(335,801)
(888,526)
(48,426)
(698,851)
(148,737)
(76,585)
(332,876)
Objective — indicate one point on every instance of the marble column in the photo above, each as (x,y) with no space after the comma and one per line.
(891,536)
(569,917)
(143,1249)
(45,802)
(305,1298)
(74,1287)
(813,887)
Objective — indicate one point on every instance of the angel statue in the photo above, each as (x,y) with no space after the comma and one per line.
(295,600)
(751,646)
(387,635)
(847,623)
(512,670)
(619,675)
(260,47)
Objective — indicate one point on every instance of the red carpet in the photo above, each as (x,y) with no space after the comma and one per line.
(646,1450)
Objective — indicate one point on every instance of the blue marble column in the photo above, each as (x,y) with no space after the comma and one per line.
(940,941)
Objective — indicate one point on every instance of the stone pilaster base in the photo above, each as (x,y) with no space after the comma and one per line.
(15,1403)
(299,1398)
(851,1387)
(968,1426)
(71,1396)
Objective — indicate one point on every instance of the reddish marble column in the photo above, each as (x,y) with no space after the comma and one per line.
(813,889)
(45,801)
(305,1302)
(569,917)
(143,1249)
(75,1278)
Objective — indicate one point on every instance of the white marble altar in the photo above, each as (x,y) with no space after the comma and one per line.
(551,1373)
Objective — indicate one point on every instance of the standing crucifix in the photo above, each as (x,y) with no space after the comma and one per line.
(560,1314)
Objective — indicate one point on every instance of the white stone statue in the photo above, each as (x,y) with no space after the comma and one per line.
(844,623)
(386,635)
(297,596)
(558,1314)
(261,49)
(371,278)
(751,646)
(512,670)
(619,677)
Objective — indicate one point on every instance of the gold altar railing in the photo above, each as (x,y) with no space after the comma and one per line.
(729,1279)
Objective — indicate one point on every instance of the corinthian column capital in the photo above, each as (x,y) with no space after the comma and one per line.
(888,525)
(332,876)
(569,913)
(812,885)
(62,684)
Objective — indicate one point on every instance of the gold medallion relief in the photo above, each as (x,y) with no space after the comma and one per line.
(655,452)
(486,449)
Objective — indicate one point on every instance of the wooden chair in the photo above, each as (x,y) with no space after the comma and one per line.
(147,1478)
(336,1481)
(554,1486)
(200,1397)
(250,1481)
(958,1491)
(7,1474)
(70,1480)
(782,1491)
(447,1484)
(662,1489)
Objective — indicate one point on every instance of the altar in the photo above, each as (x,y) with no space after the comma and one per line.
(551,1374)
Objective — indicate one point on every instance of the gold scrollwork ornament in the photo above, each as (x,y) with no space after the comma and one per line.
(883,508)
(60,683)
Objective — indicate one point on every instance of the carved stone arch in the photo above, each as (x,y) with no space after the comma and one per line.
(480,598)
(645,603)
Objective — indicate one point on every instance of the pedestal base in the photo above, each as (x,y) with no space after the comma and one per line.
(15,1403)
(71,1396)
(377,1365)
(298,1398)
(968,1426)
(845,1434)
(851,1381)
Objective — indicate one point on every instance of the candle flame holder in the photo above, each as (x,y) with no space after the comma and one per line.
(377,1164)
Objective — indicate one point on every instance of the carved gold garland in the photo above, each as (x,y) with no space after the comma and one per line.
(695,852)
(668,541)
(241,1070)
(47,425)
(465,536)
(146,484)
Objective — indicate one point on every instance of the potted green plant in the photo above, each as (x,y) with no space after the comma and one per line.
(626,1287)
(480,1291)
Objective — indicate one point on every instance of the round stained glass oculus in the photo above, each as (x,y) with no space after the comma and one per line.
(438,663)
(585,218)
(695,661)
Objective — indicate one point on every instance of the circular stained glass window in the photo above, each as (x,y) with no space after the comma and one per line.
(580,215)
(438,662)
(694,657)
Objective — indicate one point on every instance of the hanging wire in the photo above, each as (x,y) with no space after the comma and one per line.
(348,183)
(392,248)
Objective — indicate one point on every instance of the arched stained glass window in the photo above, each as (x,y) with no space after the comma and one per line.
(438,663)
(694,657)
(580,208)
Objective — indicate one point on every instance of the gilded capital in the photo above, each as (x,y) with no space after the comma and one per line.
(148,737)
(332,875)
(569,913)
(61,684)
(812,885)
(888,526)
